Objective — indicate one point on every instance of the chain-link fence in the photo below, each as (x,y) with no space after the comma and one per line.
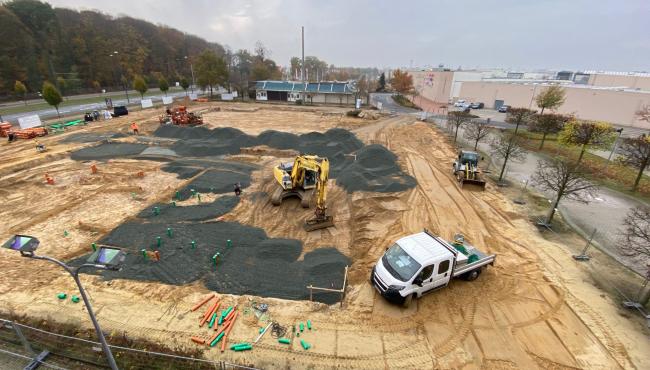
(20,344)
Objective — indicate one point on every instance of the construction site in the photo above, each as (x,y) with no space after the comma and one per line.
(204,200)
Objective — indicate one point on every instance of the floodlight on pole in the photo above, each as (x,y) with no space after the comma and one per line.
(105,258)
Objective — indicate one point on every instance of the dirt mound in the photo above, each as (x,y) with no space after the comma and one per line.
(200,212)
(90,137)
(219,177)
(255,264)
(375,169)
(107,151)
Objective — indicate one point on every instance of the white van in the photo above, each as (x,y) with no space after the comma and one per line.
(422,262)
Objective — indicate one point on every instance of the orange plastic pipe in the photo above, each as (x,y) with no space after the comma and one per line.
(225,337)
(198,340)
(208,313)
(204,301)
(232,312)
(212,310)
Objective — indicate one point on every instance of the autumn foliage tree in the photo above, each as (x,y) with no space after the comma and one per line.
(402,82)
(552,98)
(185,84)
(587,134)
(20,90)
(211,70)
(548,124)
(140,85)
(52,96)
(163,85)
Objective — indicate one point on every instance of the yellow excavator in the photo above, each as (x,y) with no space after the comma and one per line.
(306,175)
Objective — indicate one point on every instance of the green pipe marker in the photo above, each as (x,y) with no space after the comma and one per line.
(211,189)
(193,244)
(158,241)
(228,243)
(65,232)
(214,317)
(241,347)
(214,259)
(305,345)
(94,246)
(309,324)
(178,195)
(74,299)
(284,341)
(144,254)
(217,339)
(260,330)
(224,313)
(61,296)
(156,211)
(302,327)
(169,232)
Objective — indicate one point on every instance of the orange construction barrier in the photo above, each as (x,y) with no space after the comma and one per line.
(203,301)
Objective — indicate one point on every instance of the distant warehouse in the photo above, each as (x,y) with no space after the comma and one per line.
(343,93)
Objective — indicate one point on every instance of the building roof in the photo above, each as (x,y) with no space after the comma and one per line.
(334,87)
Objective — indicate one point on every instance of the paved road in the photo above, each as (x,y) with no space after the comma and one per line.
(82,108)
(389,105)
(605,211)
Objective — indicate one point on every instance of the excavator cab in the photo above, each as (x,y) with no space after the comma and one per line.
(306,176)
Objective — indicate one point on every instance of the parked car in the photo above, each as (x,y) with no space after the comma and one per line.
(477,105)
(460,103)
(504,108)
(120,110)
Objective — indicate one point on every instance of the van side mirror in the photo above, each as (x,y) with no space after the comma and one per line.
(417,281)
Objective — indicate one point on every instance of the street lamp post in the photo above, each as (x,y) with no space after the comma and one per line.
(609,158)
(192,71)
(105,258)
(122,78)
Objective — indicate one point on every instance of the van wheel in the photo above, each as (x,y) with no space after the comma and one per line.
(472,275)
(407,301)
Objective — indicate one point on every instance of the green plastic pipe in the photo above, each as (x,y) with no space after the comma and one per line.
(224,313)
(217,339)
(229,243)
(214,317)
(305,345)
(239,345)
(61,296)
(94,246)
(309,324)
(302,327)
(193,244)
(158,241)
(284,341)
(144,254)
(242,348)
(75,299)
(169,232)
(178,195)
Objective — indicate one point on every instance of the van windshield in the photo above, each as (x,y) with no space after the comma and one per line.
(399,263)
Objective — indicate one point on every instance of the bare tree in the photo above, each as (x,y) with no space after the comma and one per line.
(636,232)
(476,131)
(507,146)
(643,114)
(519,116)
(457,119)
(635,152)
(565,180)
(548,124)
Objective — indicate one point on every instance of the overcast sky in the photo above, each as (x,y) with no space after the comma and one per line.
(524,34)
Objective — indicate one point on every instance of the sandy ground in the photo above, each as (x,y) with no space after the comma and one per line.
(534,309)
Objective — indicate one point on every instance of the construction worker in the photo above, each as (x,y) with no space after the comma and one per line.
(39,147)
(237,189)
(134,128)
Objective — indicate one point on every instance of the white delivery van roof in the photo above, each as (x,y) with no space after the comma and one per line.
(423,248)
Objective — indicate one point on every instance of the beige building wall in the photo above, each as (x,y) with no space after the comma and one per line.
(630,82)
(433,85)
(617,107)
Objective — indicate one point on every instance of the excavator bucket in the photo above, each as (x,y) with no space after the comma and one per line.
(319,223)
(473,183)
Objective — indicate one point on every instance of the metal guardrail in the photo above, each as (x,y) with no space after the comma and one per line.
(25,343)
